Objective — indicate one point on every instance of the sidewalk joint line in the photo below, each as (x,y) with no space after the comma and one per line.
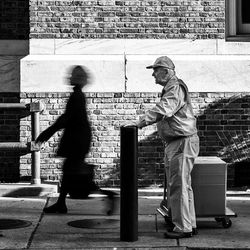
(36,227)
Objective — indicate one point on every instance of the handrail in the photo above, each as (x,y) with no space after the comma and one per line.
(35,108)
(13,106)
(30,146)
(13,145)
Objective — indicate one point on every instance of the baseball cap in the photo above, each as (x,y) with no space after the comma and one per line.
(162,61)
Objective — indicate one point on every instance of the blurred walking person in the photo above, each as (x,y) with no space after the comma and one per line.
(77,179)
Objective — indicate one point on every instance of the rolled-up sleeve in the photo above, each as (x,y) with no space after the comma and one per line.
(170,103)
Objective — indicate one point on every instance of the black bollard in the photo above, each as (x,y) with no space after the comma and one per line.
(128,179)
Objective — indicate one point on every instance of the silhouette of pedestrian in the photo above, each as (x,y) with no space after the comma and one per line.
(77,179)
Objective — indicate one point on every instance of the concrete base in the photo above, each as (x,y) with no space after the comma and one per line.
(27,190)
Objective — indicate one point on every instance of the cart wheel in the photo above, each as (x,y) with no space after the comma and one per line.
(218,219)
(226,223)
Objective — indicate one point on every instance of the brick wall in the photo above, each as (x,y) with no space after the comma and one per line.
(197,19)
(194,19)
(14,19)
(223,112)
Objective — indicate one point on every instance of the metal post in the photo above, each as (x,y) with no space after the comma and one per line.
(35,166)
(129,192)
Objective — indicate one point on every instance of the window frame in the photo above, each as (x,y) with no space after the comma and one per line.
(242,28)
(232,23)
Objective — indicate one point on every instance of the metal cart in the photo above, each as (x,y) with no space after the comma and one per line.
(209,180)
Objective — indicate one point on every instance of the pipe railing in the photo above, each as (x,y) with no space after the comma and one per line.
(34,108)
(13,106)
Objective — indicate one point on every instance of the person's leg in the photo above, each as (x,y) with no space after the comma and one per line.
(60,205)
(167,176)
(179,194)
(193,153)
(167,205)
(191,206)
(172,150)
(181,154)
(64,189)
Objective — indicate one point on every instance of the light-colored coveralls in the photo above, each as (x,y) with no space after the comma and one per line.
(176,125)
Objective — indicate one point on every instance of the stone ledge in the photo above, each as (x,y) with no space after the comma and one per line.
(116,73)
(138,46)
(201,73)
(49,73)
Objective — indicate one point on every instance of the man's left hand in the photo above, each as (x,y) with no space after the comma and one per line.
(129,123)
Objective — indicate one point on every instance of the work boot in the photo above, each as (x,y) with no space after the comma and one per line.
(178,235)
(56,208)
(194,230)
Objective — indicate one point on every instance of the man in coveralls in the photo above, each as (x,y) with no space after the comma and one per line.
(176,126)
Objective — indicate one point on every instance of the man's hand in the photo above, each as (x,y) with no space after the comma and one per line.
(129,123)
(41,139)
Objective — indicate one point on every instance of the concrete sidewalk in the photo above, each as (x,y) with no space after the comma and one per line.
(53,231)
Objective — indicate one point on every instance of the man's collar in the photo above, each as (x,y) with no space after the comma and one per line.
(174,77)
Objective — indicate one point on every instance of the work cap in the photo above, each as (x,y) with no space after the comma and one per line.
(162,61)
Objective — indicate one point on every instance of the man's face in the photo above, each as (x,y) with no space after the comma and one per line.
(160,75)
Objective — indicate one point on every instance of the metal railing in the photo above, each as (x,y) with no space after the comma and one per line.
(34,108)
